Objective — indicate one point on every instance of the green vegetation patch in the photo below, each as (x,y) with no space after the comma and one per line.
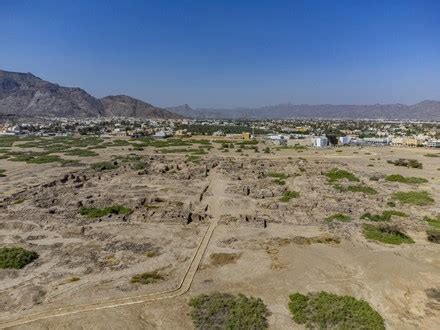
(325,310)
(192,158)
(226,311)
(281,176)
(104,166)
(279,181)
(432,155)
(386,234)
(420,198)
(336,174)
(45,159)
(93,212)
(356,188)
(81,153)
(433,235)
(411,163)
(403,179)
(288,195)
(433,222)
(16,257)
(2,173)
(7,141)
(338,217)
(147,278)
(385,216)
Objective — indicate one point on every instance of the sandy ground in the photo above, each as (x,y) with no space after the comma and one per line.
(274,244)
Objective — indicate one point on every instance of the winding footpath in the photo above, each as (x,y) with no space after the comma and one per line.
(217,186)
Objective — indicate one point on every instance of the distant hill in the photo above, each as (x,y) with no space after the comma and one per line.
(126,106)
(426,110)
(23,94)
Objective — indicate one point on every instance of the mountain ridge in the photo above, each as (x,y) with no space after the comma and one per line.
(24,94)
(428,110)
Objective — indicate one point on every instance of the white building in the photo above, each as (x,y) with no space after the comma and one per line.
(278,139)
(160,135)
(319,142)
(344,140)
(433,144)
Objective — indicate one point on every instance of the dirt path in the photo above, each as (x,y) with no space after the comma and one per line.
(217,188)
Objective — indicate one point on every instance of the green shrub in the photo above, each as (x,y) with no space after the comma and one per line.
(16,257)
(104,166)
(432,155)
(281,176)
(2,172)
(45,159)
(411,163)
(433,222)
(147,278)
(325,310)
(277,181)
(93,212)
(433,235)
(403,179)
(385,216)
(81,153)
(356,188)
(193,158)
(226,311)
(413,197)
(339,217)
(386,234)
(337,174)
(288,195)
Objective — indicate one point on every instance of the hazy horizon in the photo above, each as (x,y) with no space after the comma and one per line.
(230,54)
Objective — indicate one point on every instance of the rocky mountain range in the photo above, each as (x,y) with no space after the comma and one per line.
(23,94)
(425,111)
(126,106)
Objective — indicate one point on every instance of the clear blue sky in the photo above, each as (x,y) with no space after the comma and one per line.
(212,53)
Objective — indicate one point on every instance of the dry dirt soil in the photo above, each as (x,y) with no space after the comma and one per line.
(216,223)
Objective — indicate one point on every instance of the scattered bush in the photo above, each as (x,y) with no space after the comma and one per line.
(80,153)
(339,217)
(147,278)
(356,188)
(391,204)
(2,172)
(226,311)
(288,195)
(413,197)
(337,174)
(281,176)
(385,216)
(411,163)
(192,158)
(16,257)
(433,235)
(403,179)
(93,212)
(433,222)
(104,166)
(325,310)
(279,181)
(432,155)
(386,234)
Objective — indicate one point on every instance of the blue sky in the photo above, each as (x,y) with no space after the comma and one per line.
(230,53)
